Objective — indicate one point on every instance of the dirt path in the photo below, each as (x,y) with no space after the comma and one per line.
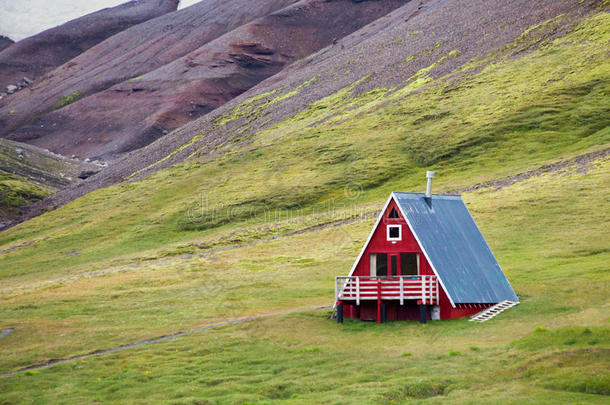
(155,340)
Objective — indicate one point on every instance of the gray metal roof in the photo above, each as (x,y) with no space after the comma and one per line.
(455,247)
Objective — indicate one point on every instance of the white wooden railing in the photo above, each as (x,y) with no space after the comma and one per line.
(424,288)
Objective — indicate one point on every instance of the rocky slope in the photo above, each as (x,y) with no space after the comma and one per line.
(133,52)
(101,126)
(388,53)
(28,174)
(34,56)
(5,42)
(420,41)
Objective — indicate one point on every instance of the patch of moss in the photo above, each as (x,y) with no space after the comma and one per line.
(17,192)
(67,100)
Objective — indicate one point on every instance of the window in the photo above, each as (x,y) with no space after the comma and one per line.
(382,264)
(393,213)
(394,232)
(379,264)
(409,264)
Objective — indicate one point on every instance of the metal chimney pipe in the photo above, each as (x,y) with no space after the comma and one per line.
(429,176)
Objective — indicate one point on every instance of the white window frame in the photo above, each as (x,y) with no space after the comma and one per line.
(399,232)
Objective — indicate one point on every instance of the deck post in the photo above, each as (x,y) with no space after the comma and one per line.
(357,290)
(378,301)
(339,312)
(336,289)
(423,316)
(423,289)
(402,291)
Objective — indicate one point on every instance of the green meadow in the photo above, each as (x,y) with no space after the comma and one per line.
(262,227)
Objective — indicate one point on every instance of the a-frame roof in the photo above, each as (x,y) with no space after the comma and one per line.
(454,247)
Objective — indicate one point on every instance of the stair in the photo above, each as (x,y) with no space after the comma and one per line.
(490,312)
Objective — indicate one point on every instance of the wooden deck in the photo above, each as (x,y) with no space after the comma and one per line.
(400,288)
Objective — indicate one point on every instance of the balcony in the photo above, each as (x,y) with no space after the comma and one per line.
(399,288)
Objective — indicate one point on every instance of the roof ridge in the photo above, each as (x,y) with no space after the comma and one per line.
(424,194)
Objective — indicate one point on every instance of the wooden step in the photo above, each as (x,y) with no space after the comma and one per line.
(493,311)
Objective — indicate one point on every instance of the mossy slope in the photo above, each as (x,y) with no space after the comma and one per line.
(29,174)
(512,116)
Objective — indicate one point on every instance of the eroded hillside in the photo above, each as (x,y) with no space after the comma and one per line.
(34,56)
(148,106)
(133,52)
(29,174)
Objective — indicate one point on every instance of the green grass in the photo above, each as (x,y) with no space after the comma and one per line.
(263,359)
(16,191)
(133,261)
(28,175)
(247,364)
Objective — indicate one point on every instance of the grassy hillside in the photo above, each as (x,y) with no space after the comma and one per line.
(512,116)
(15,191)
(304,357)
(265,224)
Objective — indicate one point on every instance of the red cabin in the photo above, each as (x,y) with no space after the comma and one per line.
(424,259)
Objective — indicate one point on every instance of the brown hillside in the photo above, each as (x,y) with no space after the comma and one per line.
(134,113)
(443,33)
(133,52)
(36,55)
(5,42)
